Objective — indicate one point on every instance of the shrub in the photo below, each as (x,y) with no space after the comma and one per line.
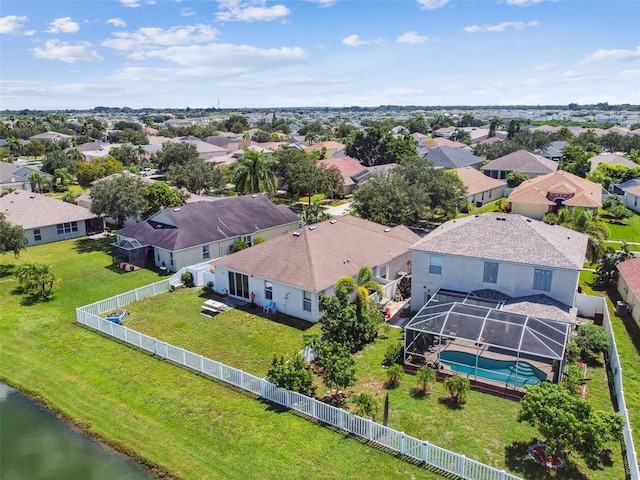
(425,377)
(592,339)
(572,351)
(394,375)
(187,279)
(458,387)
(393,355)
(239,245)
(208,288)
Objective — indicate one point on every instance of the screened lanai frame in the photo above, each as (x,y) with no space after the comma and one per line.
(451,315)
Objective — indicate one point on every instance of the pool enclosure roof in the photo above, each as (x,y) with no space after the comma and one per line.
(465,316)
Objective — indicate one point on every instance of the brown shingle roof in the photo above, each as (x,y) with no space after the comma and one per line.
(587,194)
(317,258)
(630,271)
(522,161)
(515,239)
(477,182)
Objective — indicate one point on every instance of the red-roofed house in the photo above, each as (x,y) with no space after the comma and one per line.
(629,286)
(548,193)
(480,188)
(353,172)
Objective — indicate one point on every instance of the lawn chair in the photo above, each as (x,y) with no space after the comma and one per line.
(269,308)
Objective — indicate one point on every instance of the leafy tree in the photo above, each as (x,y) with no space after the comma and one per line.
(394,375)
(337,366)
(515,178)
(592,339)
(38,181)
(377,146)
(160,195)
(607,271)
(174,153)
(583,221)
(494,124)
(252,174)
(572,378)
(567,423)
(120,197)
(366,405)
(5,155)
(620,213)
(425,378)
(197,176)
(55,158)
(95,169)
(62,179)
(70,197)
(12,237)
(15,146)
(37,279)
(238,245)
(34,149)
(261,136)
(575,160)
(417,124)
(291,374)
(458,388)
(393,353)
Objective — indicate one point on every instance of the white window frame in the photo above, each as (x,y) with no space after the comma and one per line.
(206,253)
(37,235)
(383,271)
(67,228)
(306,301)
(435,264)
(268,290)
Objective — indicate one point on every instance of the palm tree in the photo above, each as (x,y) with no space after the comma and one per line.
(311,138)
(584,221)
(458,387)
(425,377)
(364,285)
(14,144)
(75,155)
(141,153)
(366,405)
(36,181)
(252,174)
(63,175)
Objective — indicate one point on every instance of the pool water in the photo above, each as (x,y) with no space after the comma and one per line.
(506,371)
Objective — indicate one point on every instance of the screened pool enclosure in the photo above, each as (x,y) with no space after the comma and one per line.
(458,332)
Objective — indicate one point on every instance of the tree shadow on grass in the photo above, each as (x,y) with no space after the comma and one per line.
(518,461)
(88,245)
(450,404)
(7,269)
(419,394)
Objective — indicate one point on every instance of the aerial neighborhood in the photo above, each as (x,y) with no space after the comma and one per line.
(395,273)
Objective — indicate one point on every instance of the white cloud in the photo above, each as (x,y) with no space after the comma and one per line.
(629,76)
(432,4)
(63,25)
(324,3)
(609,56)
(130,3)
(412,37)
(523,3)
(249,11)
(154,36)
(544,67)
(11,23)
(569,74)
(500,27)
(29,33)
(187,12)
(354,41)
(66,52)
(116,22)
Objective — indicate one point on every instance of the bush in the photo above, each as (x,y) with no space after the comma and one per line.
(394,375)
(208,288)
(592,339)
(239,245)
(187,279)
(393,355)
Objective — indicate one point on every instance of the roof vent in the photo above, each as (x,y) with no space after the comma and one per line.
(387,230)
(313,227)
(296,234)
(333,221)
(254,196)
(176,209)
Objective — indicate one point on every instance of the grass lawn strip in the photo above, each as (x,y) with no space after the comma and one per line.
(155,411)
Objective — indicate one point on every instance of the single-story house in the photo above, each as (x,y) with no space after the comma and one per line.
(293,270)
(523,161)
(441,142)
(352,171)
(630,190)
(198,232)
(611,159)
(15,176)
(448,157)
(629,286)
(480,188)
(554,151)
(206,151)
(548,193)
(509,253)
(50,136)
(46,219)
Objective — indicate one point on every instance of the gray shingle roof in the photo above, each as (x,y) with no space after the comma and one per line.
(522,161)
(315,259)
(206,222)
(448,157)
(515,239)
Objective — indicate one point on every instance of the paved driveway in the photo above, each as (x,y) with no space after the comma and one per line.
(340,210)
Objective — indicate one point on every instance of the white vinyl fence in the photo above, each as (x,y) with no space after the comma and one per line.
(412,448)
(588,306)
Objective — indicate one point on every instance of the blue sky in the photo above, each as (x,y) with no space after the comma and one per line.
(256,53)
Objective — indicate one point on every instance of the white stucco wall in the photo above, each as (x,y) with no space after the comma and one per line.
(632,201)
(531,210)
(630,298)
(466,274)
(50,234)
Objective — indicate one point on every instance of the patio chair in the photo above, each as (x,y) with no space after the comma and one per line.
(269,308)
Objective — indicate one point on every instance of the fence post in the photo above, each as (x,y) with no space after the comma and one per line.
(184,357)
(201,363)
(403,441)
(125,335)
(463,465)
(369,429)
(425,451)
(137,296)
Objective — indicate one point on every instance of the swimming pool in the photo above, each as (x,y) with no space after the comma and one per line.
(509,372)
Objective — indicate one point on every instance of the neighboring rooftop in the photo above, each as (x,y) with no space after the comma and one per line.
(477,182)
(448,157)
(611,159)
(630,271)
(315,257)
(522,161)
(577,191)
(509,238)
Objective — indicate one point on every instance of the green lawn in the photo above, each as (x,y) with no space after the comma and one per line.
(170,418)
(628,230)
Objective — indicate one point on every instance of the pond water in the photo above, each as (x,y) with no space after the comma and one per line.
(37,445)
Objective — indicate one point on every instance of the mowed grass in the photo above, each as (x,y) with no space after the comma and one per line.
(241,338)
(627,230)
(183,424)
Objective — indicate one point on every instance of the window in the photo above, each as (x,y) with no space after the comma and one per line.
(238,285)
(383,271)
(66,228)
(435,264)
(247,239)
(542,279)
(205,252)
(306,301)
(490,274)
(171,258)
(37,236)
(268,291)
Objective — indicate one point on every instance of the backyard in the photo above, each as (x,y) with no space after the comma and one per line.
(247,341)
(180,424)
